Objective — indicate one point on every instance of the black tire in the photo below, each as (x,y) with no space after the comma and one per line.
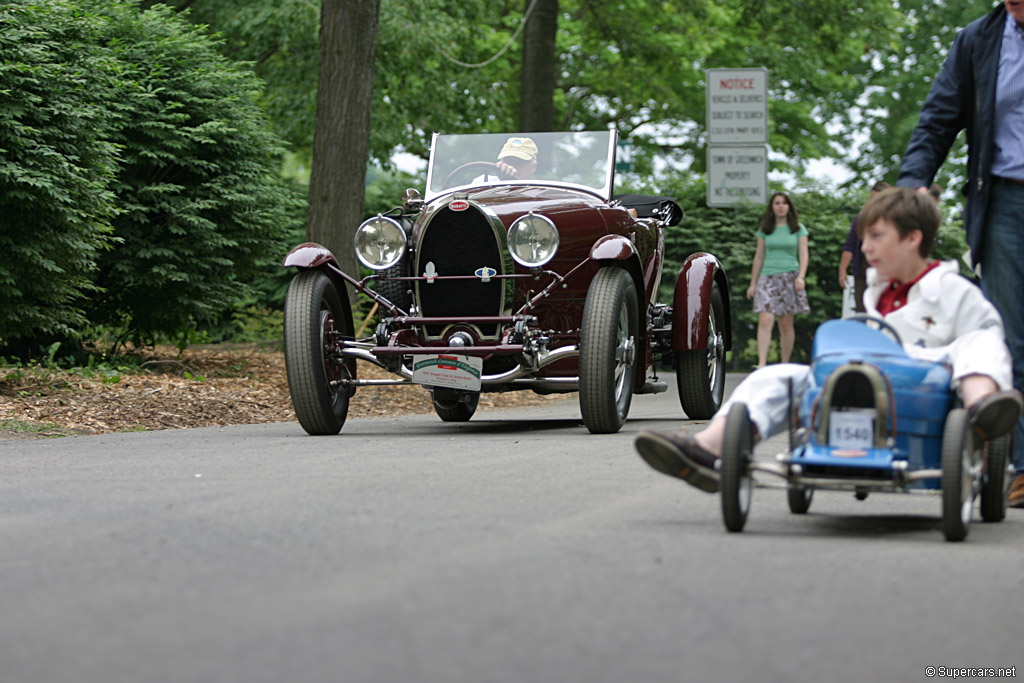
(700,373)
(608,350)
(995,488)
(450,409)
(799,498)
(957,483)
(312,312)
(737,483)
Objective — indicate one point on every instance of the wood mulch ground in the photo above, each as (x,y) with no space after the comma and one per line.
(203,387)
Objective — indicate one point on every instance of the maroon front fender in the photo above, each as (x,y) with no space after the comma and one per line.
(613,248)
(692,301)
(309,255)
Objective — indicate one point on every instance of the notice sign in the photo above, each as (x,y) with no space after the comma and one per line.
(737,106)
(454,372)
(737,174)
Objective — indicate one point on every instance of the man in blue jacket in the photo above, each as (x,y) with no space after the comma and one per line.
(980,89)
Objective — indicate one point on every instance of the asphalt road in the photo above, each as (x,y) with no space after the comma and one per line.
(514,548)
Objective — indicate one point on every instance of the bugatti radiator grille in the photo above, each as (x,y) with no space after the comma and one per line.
(460,243)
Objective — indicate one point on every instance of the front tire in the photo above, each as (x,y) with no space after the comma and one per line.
(700,373)
(957,480)
(737,483)
(996,487)
(608,350)
(313,324)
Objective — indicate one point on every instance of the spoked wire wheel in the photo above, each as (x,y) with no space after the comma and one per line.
(700,373)
(608,351)
(313,328)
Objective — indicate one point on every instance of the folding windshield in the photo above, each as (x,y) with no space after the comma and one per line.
(580,159)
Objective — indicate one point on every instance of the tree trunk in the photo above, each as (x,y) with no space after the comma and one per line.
(341,140)
(537,90)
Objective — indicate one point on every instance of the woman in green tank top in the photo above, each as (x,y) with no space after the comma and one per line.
(777,283)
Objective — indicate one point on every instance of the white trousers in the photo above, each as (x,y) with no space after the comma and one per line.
(766,393)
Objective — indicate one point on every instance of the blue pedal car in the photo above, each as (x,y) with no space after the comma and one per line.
(872,419)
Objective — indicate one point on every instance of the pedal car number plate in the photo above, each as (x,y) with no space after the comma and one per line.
(451,371)
(851,429)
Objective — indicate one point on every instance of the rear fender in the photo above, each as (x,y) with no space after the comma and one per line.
(692,301)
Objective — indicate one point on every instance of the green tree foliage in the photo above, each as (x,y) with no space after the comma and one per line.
(900,71)
(279,41)
(55,167)
(632,64)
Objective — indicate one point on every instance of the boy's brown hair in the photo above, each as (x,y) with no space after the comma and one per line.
(908,210)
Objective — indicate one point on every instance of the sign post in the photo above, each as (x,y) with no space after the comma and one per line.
(737,125)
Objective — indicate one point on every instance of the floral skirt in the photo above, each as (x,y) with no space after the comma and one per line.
(777,294)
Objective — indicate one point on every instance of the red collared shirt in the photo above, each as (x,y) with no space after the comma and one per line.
(894,296)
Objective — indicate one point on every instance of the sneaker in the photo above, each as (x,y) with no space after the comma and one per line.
(1017,492)
(680,456)
(996,414)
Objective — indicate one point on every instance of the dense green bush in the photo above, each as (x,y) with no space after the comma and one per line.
(55,167)
(138,168)
(198,179)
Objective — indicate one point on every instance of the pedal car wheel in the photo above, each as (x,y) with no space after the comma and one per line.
(450,409)
(799,498)
(995,487)
(700,375)
(737,484)
(313,324)
(608,354)
(957,479)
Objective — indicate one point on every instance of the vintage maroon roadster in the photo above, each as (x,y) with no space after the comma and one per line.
(487,284)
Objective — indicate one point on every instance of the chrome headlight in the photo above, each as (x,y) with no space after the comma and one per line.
(380,242)
(532,240)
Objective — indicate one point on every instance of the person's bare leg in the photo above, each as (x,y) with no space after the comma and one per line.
(787,337)
(765,323)
(973,388)
(710,438)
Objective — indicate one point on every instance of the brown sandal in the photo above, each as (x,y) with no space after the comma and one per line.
(996,414)
(680,456)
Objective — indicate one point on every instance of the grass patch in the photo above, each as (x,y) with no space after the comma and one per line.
(31,427)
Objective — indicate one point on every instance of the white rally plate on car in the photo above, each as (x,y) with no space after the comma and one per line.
(851,429)
(443,370)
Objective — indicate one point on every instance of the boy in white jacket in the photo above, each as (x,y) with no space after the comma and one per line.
(939,315)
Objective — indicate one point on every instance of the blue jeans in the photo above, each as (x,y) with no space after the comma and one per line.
(1002,280)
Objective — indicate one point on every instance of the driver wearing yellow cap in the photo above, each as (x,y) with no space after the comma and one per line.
(518,159)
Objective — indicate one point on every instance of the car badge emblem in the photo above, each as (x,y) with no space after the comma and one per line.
(485,274)
(430,273)
(458,205)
